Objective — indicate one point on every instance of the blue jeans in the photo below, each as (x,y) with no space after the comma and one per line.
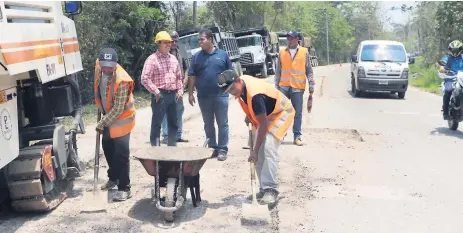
(297,100)
(165,107)
(180,110)
(215,107)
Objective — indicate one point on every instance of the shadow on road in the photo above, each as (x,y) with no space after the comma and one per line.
(374,95)
(146,211)
(447,132)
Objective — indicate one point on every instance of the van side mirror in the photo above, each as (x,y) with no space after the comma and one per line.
(73,7)
(411,60)
(354,58)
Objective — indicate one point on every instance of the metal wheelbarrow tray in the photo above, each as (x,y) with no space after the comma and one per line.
(171,166)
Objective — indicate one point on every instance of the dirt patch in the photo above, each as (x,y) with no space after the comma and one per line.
(334,134)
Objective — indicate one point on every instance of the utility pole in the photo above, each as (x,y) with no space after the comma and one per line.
(327,44)
(195,20)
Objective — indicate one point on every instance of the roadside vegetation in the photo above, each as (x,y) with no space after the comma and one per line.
(425,77)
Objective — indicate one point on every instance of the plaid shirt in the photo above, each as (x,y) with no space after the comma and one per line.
(121,96)
(162,72)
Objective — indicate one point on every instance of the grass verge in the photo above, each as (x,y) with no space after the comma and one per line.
(425,78)
(89,111)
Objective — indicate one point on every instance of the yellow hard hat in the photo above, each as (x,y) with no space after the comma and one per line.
(162,35)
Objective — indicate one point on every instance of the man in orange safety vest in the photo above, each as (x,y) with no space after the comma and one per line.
(113,89)
(272,114)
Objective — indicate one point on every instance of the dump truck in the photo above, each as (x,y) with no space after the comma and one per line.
(259,50)
(188,44)
(303,41)
(39,62)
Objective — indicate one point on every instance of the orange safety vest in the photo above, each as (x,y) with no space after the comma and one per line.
(126,121)
(281,117)
(293,71)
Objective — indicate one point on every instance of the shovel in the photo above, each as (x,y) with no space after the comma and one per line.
(95,202)
(254,213)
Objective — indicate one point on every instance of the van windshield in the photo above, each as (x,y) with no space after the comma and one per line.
(383,53)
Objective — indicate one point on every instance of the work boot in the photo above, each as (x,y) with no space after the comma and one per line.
(109,185)
(222,156)
(182,140)
(122,195)
(298,142)
(270,196)
(259,195)
(214,154)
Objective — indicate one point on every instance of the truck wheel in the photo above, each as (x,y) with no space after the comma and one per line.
(354,90)
(401,94)
(263,70)
(273,66)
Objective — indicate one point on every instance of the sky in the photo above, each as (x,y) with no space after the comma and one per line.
(396,16)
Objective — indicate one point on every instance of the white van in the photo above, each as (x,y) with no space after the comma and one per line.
(380,65)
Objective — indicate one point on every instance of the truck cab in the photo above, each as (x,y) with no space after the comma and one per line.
(259,50)
(188,44)
(380,65)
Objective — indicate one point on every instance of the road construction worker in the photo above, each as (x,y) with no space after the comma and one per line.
(162,77)
(272,114)
(180,108)
(454,63)
(292,70)
(113,89)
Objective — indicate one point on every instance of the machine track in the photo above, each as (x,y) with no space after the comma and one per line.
(30,188)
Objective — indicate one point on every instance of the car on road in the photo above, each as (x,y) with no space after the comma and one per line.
(380,65)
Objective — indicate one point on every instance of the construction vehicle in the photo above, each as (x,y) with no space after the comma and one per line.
(188,44)
(39,60)
(259,51)
(303,41)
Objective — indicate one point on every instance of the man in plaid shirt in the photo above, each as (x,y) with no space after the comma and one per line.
(180,108)
(162,77)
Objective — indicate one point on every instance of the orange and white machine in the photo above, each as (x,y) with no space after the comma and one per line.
(39,61)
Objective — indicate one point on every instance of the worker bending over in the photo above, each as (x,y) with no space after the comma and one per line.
(272,113)
(293,70)
(113,95)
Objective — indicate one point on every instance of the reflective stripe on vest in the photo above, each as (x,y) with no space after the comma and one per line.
(293,72)
(126,121)
(282,116)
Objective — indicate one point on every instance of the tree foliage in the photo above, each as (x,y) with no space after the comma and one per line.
(129,27)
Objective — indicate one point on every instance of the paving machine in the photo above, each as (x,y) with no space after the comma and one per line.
(39,60)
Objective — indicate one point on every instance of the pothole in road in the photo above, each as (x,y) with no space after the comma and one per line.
(336,134)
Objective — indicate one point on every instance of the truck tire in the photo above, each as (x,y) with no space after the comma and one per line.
(401,94)
(354,89)
(263,70)
(273,66)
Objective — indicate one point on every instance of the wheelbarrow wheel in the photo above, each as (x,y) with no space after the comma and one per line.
(170,199)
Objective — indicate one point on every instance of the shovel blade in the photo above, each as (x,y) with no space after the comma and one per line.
(94,202)
(255,214)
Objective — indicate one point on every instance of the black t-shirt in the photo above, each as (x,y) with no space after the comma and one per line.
(260,103)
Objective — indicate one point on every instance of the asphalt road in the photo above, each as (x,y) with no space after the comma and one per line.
(370,164)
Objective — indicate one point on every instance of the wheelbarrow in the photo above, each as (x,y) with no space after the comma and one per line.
(171,167)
